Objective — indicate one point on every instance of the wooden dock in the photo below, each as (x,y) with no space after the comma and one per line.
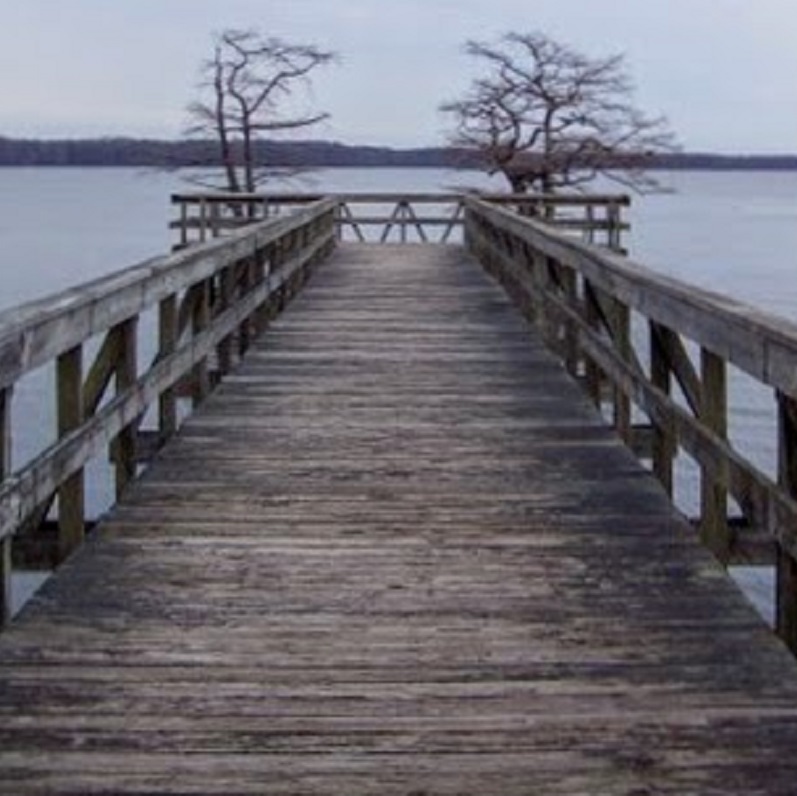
(397,551)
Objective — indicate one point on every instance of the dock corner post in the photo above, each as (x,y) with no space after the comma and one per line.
(786,573)
(71,494)
(714,531)
(5,543)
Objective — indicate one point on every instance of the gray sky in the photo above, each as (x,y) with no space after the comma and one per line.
(723,71)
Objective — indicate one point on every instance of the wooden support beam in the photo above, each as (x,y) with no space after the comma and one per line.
(71,494)
(713,489)
(786,581)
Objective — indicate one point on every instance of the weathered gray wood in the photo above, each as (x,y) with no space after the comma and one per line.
(71,499)
(200,320)
(759,344)
(413,559)
(124,444)
(713,491)
(35,483)
(224,212)
(35,334)
(786,580)
(5,469)
(763,502)
(167,343)
(664,443)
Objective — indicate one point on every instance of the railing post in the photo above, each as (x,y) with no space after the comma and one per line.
(226,299)
(200,320)
(203,220)
(592,373)
(71,494)
(570,288)
(663,442)
(786,577)
(621,323)
(614,232)
(713,415)
(126,375)
(167,340)
(5,470)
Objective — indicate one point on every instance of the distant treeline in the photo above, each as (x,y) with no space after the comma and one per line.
(185,153)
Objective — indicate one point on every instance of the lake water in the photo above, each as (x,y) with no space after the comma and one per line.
(735,232)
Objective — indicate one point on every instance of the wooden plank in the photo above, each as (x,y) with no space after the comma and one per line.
(414,559)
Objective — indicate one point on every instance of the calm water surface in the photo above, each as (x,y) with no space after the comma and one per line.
(734,232)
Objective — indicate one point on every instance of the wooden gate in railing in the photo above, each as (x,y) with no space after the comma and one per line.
(211,300)
(401,218)
(583,299)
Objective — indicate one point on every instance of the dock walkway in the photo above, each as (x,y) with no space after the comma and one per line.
(396,552)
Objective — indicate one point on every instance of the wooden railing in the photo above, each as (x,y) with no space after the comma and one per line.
(587,301)
(403,218)
(211,300)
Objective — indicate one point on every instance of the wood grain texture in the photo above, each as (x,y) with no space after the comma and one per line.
(396,552)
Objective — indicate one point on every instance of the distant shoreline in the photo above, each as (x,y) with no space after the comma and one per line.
(166,154)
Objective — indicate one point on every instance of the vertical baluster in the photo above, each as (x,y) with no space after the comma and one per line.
(200,321)
(183,224)
(592,373)
(713,414)
(124,448)
(5,470)
(203,220)
(226,299)
(71,494)
(621,324)
(663,439)
(572,353)
(167,341)
(244,277)
(786,583)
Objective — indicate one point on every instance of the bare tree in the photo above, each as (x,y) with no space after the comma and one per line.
(547,117)
(249,90)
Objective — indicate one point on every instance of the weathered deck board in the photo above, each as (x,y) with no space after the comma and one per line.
(396,553)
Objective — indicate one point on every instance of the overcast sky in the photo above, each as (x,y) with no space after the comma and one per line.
(723,71)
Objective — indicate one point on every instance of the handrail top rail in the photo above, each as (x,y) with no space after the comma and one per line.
(286,197)
(37,331)
(758,342)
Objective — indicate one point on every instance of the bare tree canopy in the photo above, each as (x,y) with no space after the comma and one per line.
(547,117)
(249,89)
